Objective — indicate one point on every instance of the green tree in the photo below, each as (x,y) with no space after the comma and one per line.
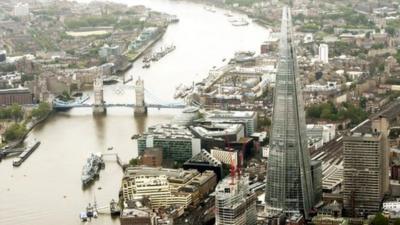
(363,102)
(15,132)
(41,111)
(16,112)
(314,111)
(134,162)
(326,113)
(379,219)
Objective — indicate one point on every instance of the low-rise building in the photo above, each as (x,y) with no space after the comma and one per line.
(204,161)
(152,157)
(130,216)
(166,187)
(329,220)
(20,96)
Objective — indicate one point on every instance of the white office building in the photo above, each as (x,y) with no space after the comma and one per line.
(323,53)
(21,9)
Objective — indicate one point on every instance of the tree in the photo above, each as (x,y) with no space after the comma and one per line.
(314,111)
(380,220)
(15,132)
(391,31)
(363,102)
(134,162)
(42,110)
(16,112)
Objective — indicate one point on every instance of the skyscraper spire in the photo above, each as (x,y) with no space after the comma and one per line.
(289,183)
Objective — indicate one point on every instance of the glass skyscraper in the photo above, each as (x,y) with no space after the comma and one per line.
(289,186)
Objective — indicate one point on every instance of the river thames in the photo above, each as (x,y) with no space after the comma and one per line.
(46,189)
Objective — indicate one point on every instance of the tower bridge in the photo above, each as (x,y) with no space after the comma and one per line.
(100,106)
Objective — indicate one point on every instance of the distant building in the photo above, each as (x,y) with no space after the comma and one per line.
(166,187)
(152,157)
(247,118)
(226,156)
(365,170)
(204,161)
(131,216)
(177,143)
(330,86)
(217,134)
(323,53)
(20,96)
(107,51)
(308,38)
(3,56)
(234,203)
(329,220)
(316,176)
(319,134)
(21,9)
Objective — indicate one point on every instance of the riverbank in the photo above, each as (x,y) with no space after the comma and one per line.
(30,126)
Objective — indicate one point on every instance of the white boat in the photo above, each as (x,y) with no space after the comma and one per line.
(210,8)
(240,22)
(228,14)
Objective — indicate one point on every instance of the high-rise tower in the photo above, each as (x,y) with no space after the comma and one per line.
(289,181)
(98,107)
(140,107)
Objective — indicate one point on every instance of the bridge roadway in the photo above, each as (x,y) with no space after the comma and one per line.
(158,106)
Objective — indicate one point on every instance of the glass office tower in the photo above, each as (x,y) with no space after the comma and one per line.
(289,183)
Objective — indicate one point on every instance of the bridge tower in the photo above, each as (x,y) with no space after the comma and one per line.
(140,106)
(98,108)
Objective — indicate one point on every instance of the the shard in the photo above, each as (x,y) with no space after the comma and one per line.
(289,183)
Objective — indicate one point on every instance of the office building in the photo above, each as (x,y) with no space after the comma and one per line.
(247,118)
(3,56)
(204,161)
(227,132)
(177,142)
(21,9)
(20,96)
(226,156)
(316,175)
(289,187)
(323,55)
(365,172)
(106,51)
(234,203)
(166,187)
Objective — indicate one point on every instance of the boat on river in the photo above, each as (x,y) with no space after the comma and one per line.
(115,210)
(146,66)
(26,153)
(210,8)
(239,22)
(92,168)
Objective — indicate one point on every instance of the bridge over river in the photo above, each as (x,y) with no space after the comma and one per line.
(99,106)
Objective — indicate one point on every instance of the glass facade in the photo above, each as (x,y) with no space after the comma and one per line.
(176,149)
(289,182)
